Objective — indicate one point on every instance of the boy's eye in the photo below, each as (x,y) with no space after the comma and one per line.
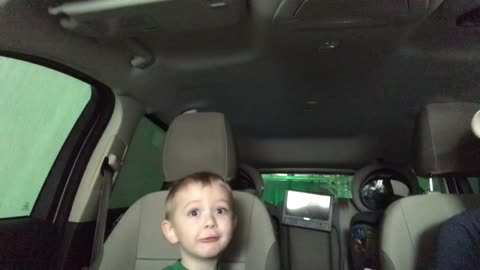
(193,212)
(222,211)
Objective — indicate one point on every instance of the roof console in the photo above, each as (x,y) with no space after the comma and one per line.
(351,13)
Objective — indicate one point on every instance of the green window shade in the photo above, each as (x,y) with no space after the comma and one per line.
(339,186)
(142,171)
(39,107)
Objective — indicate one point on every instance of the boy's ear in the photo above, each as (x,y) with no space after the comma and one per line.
(169,232)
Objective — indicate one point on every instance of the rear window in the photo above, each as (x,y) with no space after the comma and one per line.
(276,184)
(433,184)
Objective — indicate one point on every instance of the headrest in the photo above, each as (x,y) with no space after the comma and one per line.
(381,169)
(445,142)
(199,142)
(248,179)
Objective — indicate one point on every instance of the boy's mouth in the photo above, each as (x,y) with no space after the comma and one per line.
(209,239)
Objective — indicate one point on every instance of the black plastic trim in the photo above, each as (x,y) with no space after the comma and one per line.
(157,121)
(463,186)
(27,243)
(76,246)
(451,185)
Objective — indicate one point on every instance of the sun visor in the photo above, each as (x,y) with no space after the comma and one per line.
(444,140)
(126,17)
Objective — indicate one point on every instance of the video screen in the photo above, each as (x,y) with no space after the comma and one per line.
(308,206)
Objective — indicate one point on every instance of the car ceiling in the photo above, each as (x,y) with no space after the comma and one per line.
(291,102)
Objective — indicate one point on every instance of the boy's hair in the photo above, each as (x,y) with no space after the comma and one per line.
(203,178)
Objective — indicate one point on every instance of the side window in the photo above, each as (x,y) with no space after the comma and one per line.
(38,109)
(276,184)
(141,172)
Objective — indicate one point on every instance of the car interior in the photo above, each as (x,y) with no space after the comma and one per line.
(349,131)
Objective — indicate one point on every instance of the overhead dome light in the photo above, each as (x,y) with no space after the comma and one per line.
(476,124)
(329,44)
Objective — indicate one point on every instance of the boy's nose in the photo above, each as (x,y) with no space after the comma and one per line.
(210,222)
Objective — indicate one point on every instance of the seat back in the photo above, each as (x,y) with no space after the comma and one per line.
(248,179)
(445,144)
(195,142)
(138,243)
(410,228)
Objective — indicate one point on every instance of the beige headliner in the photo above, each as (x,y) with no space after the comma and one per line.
(330,108)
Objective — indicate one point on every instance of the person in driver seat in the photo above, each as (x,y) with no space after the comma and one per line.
(458,243)
(200,219)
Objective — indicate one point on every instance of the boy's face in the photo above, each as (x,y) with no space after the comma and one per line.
(201,220)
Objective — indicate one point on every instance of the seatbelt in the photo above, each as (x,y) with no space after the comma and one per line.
(337,236)
(284,241)
(109,167)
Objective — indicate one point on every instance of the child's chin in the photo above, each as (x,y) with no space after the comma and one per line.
(210,253)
